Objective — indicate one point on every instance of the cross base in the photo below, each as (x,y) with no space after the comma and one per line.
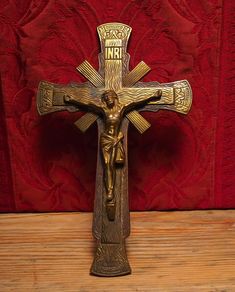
(110,260)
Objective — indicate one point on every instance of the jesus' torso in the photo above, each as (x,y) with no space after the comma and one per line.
(113,117)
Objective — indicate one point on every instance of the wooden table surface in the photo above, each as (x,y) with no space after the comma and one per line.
(168,251)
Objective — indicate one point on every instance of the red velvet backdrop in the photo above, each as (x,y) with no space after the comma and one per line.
(181,162)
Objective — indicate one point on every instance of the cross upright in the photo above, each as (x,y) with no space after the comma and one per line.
(113,97)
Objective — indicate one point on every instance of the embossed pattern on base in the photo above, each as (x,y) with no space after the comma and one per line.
(110,260)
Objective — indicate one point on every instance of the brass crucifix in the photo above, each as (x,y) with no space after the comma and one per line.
(113,96)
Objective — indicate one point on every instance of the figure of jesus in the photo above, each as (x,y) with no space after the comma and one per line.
(112,109)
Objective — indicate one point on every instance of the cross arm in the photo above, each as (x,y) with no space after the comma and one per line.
(84,97)
(52,97)
(133,96)
(48,97)
(176,96)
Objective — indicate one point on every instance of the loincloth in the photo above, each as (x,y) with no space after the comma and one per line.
(108,143)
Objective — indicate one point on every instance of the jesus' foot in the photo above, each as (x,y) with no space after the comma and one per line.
(110,195)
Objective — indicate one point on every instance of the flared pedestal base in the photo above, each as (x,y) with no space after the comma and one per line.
(110,260)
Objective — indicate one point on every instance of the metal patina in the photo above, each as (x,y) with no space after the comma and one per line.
(113,97)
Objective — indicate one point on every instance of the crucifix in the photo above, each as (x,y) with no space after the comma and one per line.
(113,96)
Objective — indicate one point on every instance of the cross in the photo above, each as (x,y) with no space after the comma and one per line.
(113,97)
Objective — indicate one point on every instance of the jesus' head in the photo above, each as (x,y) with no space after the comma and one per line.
(110,98)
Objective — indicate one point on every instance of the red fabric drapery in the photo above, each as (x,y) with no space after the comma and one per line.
(181,162)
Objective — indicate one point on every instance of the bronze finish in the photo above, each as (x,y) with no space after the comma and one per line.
(113,97)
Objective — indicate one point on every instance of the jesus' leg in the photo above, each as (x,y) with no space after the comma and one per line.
(110,174)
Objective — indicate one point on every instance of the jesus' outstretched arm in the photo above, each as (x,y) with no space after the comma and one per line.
(52,97)
(83,97)
(131,97)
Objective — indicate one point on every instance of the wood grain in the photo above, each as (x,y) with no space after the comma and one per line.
(168,251)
